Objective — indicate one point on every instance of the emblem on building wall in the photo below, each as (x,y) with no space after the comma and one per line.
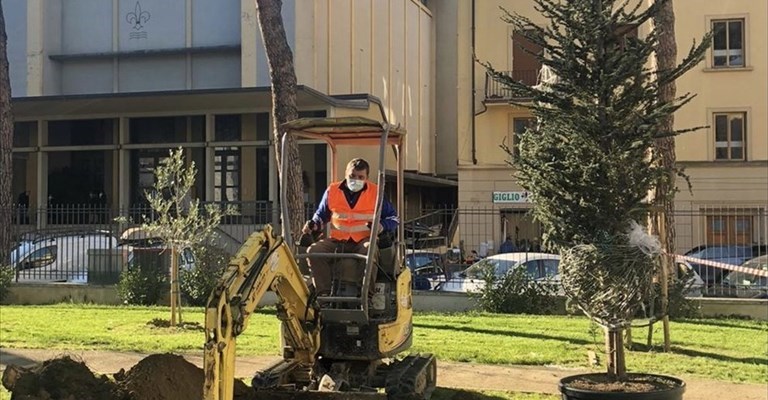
(137,18)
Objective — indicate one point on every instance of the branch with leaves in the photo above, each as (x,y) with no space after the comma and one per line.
(177,219)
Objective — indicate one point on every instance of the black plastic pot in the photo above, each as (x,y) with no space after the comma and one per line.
(674,393)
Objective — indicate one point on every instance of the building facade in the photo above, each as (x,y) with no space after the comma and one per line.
(103,89)
(727,162)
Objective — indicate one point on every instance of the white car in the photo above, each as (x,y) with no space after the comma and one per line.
(746,285)
(539,266)
(58,256)
(542,267)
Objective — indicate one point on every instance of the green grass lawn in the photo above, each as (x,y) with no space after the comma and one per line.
(729,350)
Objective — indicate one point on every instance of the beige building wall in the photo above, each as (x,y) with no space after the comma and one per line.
(369,153)
(453,94)
(741,183)
(724,89)
(379,47)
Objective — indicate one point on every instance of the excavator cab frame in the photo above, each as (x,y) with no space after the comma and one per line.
(352,131)
(334,347)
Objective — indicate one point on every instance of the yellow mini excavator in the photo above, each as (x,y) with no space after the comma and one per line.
(348,344)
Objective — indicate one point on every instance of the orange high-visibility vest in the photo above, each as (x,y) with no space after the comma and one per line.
(347,222)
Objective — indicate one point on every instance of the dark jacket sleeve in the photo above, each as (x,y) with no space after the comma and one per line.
(323,213)
(389,218)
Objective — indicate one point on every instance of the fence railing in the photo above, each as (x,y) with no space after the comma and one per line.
(725,234)
(497,91)
(729,234)
(83,244)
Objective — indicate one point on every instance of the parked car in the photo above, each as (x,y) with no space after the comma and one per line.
(61,256)
(759,250)
(427,268)
(696,285)
(733,255)
(747,285)
(145,248)
(542,267)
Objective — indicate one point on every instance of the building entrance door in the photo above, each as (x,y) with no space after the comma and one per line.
(143,164)
(519,225)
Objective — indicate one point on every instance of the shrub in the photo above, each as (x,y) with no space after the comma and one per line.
(198,283)
(7,273)
(679,305)
(142,284)
(514,293)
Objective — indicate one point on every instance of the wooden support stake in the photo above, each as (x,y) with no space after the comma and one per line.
(614,347)
(174,271)
(666,263)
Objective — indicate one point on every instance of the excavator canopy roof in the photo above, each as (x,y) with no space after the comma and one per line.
(344,131)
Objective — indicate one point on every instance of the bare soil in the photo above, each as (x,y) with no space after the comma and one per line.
(64,375)
(633,384)
(60,378)
(156,377)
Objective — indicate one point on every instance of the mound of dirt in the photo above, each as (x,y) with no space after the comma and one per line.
(59,378)
(156,377)
(162,377)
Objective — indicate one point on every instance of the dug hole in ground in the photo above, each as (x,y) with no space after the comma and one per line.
(57,374)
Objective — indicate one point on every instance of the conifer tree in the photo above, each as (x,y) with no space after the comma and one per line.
(588,162)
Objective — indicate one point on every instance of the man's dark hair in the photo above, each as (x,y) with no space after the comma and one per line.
(358,164)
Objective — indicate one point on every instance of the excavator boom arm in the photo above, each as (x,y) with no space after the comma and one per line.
(264,262)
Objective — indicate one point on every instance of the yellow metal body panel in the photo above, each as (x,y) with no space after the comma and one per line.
(395,333)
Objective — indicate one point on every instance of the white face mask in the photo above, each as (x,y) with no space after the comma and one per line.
(355,185)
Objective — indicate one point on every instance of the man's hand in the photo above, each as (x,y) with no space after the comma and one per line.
(310,226)
(381,227)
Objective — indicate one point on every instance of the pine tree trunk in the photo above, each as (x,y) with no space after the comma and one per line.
(6,143)
(666,58)
(283,78)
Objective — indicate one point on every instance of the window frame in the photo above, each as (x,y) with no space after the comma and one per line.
(728,143)
(513,137)
(221,170)
(516,41)
(710,20)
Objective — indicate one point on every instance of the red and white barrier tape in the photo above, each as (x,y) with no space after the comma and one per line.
(730,267)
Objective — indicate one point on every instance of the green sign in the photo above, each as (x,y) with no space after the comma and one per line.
(511,197)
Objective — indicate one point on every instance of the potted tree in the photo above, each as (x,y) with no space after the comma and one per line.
(589,167)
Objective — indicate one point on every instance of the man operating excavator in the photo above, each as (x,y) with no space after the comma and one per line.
(349,206)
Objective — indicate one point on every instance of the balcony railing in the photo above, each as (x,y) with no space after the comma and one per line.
(497,91)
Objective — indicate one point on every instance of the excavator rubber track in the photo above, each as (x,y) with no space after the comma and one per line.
(412,378)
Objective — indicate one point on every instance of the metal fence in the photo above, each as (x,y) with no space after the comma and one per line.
(87,243)
(497,91)
(715,233)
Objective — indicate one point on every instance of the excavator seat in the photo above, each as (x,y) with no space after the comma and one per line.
(344,304)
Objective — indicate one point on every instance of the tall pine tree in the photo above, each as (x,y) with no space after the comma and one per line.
(6,144)
(587,162)
(283,76)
